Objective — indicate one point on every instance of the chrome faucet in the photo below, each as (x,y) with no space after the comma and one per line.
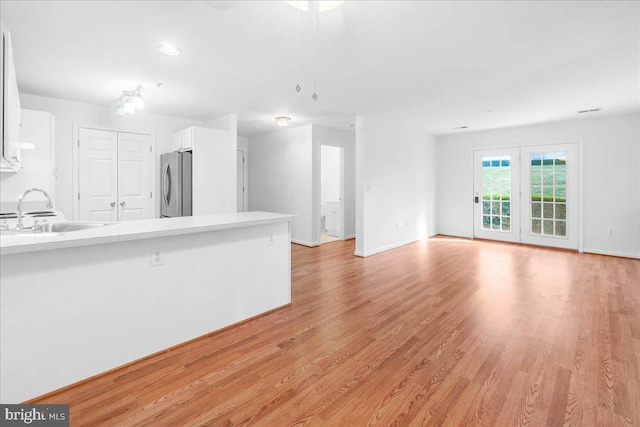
(21,198)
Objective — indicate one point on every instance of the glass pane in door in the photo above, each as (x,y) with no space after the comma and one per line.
(496,193)
(548,204)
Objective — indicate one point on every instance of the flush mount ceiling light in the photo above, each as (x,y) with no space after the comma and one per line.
(168,49)
(283,121)
(130,101)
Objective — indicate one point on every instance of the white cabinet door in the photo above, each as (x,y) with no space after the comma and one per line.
(97,175)
(176,141)
(186,139)
(11,111)
(134,176)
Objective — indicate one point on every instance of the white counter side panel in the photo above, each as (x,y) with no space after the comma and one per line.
(72,313)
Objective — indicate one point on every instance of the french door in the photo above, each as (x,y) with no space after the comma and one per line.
(527,195)
(550,194)
(496,194)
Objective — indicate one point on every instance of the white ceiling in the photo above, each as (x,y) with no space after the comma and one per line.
(443,63)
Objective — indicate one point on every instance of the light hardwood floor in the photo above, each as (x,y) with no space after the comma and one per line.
(440,332)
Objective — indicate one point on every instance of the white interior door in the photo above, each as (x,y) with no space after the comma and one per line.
(240,181)
(550,195)
(134,177)
(496,194)
(97,175)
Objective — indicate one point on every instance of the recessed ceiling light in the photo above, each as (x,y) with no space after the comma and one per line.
(283,121)
(461,127)
(168,49)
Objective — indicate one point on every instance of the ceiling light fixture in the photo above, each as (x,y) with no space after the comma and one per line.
(283,121)
(130,101)
(168,49)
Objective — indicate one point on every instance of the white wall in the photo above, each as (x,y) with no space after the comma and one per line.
(611,170)
(229,122)
(280,177)
(323,135)
(68,113)
(243,142)
(329,173)
(396,162)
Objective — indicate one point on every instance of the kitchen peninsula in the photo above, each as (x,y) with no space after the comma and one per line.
(77,304)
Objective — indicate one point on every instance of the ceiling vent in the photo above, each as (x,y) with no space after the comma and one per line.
(461,127)
(588,111)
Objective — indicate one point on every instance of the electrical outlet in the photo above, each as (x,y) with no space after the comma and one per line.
(270,239)
(611,232)
(156,257)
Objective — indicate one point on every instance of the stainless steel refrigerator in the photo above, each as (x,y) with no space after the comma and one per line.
(175,184)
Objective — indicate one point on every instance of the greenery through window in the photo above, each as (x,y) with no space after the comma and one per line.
(548,213)
(496,193)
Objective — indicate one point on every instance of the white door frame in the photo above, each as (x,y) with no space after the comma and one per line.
(75,165)
(341,185)
(580,143)
(245,177)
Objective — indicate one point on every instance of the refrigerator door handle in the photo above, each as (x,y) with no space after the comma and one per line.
(170,184)
(164,184)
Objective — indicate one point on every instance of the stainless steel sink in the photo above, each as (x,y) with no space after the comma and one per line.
(64,227)
(56,228)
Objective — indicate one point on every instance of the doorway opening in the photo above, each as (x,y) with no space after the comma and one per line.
(331,184)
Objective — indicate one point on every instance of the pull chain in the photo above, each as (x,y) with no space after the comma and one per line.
(298,87)
(315,18)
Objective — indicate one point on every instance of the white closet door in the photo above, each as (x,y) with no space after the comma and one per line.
(134,176)
(98,175)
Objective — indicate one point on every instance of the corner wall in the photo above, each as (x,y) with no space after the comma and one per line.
(611,171)
(280,178)
(396,183)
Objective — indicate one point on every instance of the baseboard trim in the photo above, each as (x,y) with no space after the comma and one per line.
(48,395)
(303,243)
(451,234)
(386,248)
(611,253)
(352,236)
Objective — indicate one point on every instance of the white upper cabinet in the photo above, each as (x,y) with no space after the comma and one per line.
(10,112)
(183,140)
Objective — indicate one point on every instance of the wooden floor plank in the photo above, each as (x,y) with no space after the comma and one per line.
(444,331)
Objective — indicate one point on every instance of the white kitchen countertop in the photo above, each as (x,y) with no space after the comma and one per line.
(134,230)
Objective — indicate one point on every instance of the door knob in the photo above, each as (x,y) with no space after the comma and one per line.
(112,204)
(122,203)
